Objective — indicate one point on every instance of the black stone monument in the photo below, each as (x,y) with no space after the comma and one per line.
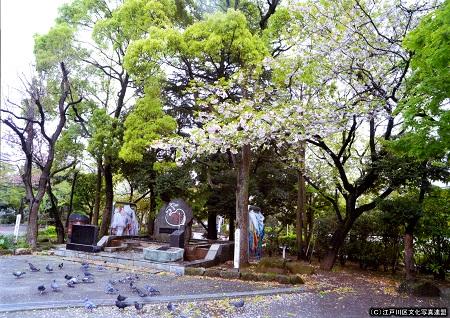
(84,238)
(176,215)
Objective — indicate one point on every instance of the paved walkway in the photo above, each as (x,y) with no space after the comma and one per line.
(325,294)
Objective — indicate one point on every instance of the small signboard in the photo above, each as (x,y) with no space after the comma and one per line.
(237,235)
(16,227)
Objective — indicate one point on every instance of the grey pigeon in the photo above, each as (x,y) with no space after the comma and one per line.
(88,279)
(133,288)
(84,267)
(33,268)
(48,268)
(138,306)
(171,307)
(238,304)
(68,277)
(100,268)
(18,274)
(41,289)
(121,298)
(109,289)
(89,305)
(70,283)
(74,280)
(112,282)
(121,304)
(141,293)
(55,287)
(88,274)
(152,291)
(61,266)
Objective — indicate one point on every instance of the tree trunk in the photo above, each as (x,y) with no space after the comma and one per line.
(409,247)
(300,215)
(54,212)
(21,208)
(32,229)
(212,226)
(337,240)
(231,228)
(72,192)
(109,197)
(98,189)
(150,218)
(243,178)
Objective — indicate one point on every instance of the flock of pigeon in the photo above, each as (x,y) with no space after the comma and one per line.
(88,277)
(110,288)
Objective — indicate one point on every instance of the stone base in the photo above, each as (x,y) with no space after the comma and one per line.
(84,248)
(171,254)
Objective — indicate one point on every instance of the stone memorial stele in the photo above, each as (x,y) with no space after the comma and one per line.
(84,238)
(173,215)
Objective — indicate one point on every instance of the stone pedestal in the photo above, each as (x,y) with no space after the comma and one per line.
(163,254)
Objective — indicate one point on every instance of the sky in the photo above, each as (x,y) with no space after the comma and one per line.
(20,20)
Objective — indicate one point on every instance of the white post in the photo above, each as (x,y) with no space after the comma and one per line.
(237,235)
(16,227)
(284,252)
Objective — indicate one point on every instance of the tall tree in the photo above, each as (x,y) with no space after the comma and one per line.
(32,123)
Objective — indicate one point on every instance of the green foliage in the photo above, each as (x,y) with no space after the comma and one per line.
(433,233)
(145,124)
(425,110)
(106,134)
(54,47)
(290,241)
(7,242)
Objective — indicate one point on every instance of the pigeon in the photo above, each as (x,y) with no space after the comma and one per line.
(48,268)
(109,289)
(41,289)
(87,274)
(88,279)
(55,287)
(18,274)
(74,280)
(112,282)
(238,304)
(141,293)
(84,267)
(100,268)
(68,277)
(121,304)
(117,269)
(61,266)
(89,305)
(121,298)
(171,307)
(33,268)
(84,263)
(138,306)
(152,291)
(133,288)
(70,284)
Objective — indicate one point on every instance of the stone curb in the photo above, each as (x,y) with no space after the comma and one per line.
(246,276)
(146,300)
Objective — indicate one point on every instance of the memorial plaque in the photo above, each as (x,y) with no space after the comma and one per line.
(173,216)
(84,238)
(84,234)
